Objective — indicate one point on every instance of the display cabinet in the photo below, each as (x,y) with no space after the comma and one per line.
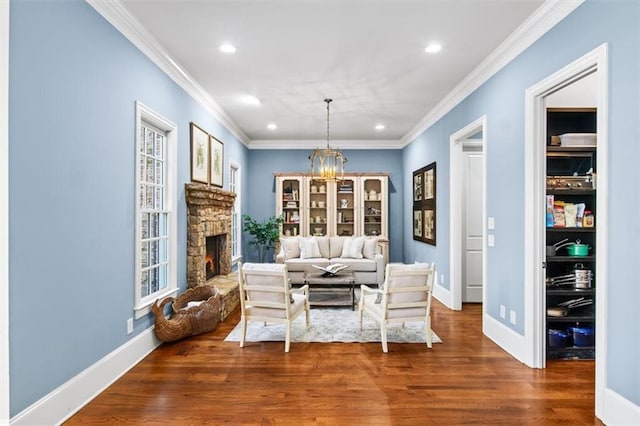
(354,206)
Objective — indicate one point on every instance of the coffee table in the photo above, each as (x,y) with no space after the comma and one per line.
(342,283)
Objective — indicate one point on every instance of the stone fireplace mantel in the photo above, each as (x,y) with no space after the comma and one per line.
(208,214)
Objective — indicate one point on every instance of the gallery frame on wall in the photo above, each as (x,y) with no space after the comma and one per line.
(207,157)
(199,154)
(217,161)
(424,204)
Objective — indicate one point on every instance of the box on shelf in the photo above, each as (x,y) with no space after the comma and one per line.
(578,139)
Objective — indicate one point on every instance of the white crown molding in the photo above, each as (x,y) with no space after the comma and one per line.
(542,20)
(319,143)
(118,16)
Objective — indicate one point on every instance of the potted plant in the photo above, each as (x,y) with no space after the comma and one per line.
(265,234)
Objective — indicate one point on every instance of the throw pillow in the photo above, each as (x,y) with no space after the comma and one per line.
(309,248)
(369,248)
(290,247)
(352,248)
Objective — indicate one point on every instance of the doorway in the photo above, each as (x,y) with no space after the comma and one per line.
(467,189)
(472,229)
(594,62)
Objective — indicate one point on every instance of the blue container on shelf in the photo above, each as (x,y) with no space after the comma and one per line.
(582,336)
(558,338)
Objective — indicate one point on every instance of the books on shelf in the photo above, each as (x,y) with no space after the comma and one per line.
(332,269)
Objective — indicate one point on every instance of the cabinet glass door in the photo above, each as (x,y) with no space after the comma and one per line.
(317,207)
(373,194)
(345,208)
(290,206)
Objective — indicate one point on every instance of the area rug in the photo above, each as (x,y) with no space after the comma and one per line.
(332,325)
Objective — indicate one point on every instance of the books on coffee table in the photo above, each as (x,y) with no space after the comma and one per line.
(332,269)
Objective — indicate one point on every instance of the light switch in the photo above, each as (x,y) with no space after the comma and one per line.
(491,240)
(491,223)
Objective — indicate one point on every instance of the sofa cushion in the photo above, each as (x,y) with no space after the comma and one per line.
(352,248)
(323,245)
(301,265)
(290,247)
(335,246)
(370,248)
(309,248)
(359,265)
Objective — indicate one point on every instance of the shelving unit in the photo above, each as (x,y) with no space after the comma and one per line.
(355,206)
(570,180)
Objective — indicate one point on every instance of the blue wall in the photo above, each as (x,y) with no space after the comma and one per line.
(501,99)
(261,203)
(73,83)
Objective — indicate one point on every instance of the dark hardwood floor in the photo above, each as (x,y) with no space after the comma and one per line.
(466,380)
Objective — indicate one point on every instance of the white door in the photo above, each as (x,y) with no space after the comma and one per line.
(472,226)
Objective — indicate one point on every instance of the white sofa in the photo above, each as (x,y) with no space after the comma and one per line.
(364,255)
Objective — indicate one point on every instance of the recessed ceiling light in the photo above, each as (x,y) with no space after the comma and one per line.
(272,126)
(379,127)
(433,48)
(228,48)
(251,100)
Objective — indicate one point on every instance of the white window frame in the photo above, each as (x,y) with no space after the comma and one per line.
(142,305)
(235,186)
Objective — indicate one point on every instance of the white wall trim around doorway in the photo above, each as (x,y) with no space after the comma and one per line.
(455,211)
(534,238)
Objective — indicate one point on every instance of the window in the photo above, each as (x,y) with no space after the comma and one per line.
(155,226)
(236,220)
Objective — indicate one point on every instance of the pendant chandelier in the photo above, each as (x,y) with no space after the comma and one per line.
(327,163)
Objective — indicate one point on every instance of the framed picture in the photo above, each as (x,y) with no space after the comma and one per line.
(417,187)
(199,154)
(430,226)
(417,223)
(430,183)
(216,162)
(424,204)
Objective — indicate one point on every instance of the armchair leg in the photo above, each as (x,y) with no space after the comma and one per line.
(383,336)
(287,339)
(428,332)
(243,322)
(361,309)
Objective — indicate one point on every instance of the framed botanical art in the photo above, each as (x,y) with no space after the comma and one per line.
(424,204)
(199,154)
(216,162)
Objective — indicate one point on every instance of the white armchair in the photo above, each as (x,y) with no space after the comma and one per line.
(266,295)
(405,297)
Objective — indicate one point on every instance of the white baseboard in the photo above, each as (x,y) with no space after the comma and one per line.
(513,343)
(443,295)
(619,411)
(63,402)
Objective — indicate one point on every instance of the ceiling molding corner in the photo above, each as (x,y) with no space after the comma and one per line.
(542,20)
(120,17)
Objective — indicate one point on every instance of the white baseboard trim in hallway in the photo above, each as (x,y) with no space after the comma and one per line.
(66,400)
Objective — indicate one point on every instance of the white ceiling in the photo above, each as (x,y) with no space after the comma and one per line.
(367,55)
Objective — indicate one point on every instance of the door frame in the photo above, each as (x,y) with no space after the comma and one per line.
(534,209)
(455,214)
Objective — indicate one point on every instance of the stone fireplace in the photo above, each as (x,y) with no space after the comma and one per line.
(208,232)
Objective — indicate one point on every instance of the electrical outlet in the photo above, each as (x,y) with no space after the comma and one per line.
(130,326)
(512,317)
(491,223)
(503,312)
(441,278)
(491,240)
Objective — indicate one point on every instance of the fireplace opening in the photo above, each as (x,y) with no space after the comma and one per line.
(213,254)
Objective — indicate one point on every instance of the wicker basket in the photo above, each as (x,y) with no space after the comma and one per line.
(188,322)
